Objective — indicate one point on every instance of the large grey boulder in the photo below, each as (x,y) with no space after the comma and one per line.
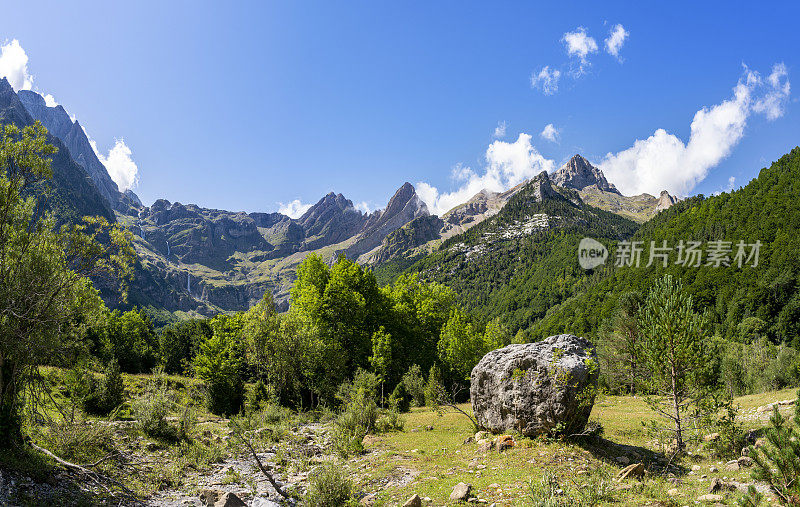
(536,388)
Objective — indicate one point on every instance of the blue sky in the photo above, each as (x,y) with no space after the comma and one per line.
(244,106)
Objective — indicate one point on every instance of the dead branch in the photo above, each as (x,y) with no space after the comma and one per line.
(263,469)
(96,477)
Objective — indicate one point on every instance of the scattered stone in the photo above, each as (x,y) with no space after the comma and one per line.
(745,461)
(760,442)
(712,437)
(461,492)
(485,445)
(481,435)
(504,442)
(229,500)
(260,501)
(209,496)
(732,465)
(713,469)
(635,470)
(718,484)
(512,388)
(494,485)
(695,468)
(429,428)
(709,498)
(673,492)
(414,501)
(622,460)
(368,499)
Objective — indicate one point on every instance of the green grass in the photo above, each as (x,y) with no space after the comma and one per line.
(438,459)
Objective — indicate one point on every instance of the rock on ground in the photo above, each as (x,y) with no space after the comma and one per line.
(461,491)
(536,388)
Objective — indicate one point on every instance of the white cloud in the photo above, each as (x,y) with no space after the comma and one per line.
(507,165)
(664,162)
(500,130)
(119,164)
(615,40)
(546,80)
(362,206)
(772,104)
(579,45)
(14,66)
(550,133)
(294,209)
(731,182)
(50,101)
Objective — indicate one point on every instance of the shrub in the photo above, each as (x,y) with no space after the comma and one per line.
(389,421)
(329,487)
(778,462)
(433,388)
(258,396)
(415,385)
(217,365)
(360,411)
(400,400)
(107,394)
(152,409)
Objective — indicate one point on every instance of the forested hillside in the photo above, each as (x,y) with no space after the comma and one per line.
(523,260)
(766,210)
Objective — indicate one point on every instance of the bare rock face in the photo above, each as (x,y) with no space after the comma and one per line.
(536,388)
(579,173)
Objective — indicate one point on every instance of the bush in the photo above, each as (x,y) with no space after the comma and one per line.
(107,394)
(415,385)
(434,386)
(359,414)
(152,409)
(400,400)
(389,421)
(217,365)
(329,487)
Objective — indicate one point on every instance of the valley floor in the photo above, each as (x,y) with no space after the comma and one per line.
(434,452)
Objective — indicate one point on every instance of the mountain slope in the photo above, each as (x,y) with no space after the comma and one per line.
(521,261)
(70,132)
(766,210)
(74,194)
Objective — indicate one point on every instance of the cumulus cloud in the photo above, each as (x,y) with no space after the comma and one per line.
(546,80)
(119,164)
(294,209)
(664,162)
(50,101)
(615,40)
(580,45)
(507,165)
(550,133)
(500,130)
(14,66)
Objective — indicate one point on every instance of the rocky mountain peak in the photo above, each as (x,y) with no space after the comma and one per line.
(665,200)
(578,173)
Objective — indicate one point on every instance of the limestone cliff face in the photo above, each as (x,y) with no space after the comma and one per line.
(579,173)
(331,220)
(665,201)
(404,206)
(74,194)
(59,124)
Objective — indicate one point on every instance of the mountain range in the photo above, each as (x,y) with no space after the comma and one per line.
(194,260)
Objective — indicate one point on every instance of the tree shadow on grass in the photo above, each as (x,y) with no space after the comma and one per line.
(616,454)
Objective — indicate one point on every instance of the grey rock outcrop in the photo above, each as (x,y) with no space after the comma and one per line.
(579,173)
(536,388)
